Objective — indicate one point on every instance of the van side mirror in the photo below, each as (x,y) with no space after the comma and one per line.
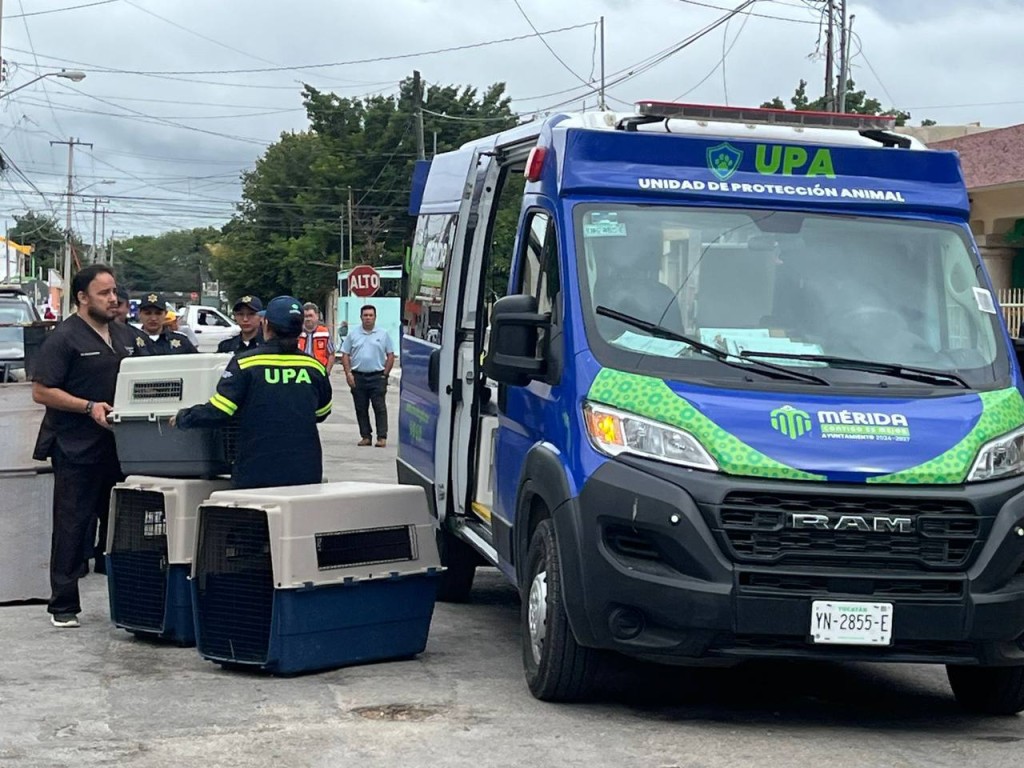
(515,328)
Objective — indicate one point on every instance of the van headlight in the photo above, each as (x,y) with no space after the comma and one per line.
(1002,457)
(613,432)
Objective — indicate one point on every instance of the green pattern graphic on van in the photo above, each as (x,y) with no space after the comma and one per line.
(652,398)
(1002,412)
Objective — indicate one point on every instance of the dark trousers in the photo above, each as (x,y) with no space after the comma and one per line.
(81,496)
(370,389)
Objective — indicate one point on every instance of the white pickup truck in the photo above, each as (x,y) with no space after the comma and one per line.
(210,325)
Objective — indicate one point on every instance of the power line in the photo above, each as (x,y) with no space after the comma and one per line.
(42,83)
(327,65)
(23,15)
(759,15)
(558,58)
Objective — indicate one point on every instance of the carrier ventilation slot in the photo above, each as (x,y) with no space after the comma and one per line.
(166,389)
(344,549)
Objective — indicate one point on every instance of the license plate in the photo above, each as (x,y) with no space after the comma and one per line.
(850,623)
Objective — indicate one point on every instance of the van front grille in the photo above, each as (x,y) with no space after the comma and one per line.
(759,528)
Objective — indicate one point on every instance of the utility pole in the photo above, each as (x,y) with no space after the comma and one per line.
(417,97)
(341,240)
(844,54)
(103,231)
(114,232)
(601,105)
(830,99)
(65,303)
(95,216)
(351,253)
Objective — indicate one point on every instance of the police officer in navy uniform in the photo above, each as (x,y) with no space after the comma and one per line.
(153,312)
(247,314)
(277,395)
(142,343)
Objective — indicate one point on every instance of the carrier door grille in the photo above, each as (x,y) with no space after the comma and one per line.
(234,584)
(138,560)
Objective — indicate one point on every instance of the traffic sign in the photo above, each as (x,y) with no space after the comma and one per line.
(363,281)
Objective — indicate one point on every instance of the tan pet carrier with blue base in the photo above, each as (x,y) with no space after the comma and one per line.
(312,577)
(150,543)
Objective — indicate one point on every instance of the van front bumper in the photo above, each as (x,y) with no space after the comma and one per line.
(657,565)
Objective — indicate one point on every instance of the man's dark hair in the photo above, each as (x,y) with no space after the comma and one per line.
(366,307)
(84,277)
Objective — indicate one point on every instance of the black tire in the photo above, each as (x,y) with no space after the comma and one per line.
(461,561)
(557,667)
(988,690)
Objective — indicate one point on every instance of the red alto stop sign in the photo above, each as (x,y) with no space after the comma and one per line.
(363,281)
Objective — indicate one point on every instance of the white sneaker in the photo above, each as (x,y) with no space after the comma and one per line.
(64,620)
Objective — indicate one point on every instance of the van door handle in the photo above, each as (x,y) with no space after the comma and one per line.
(470,377)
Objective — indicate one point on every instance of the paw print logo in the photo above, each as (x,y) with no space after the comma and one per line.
(724,160)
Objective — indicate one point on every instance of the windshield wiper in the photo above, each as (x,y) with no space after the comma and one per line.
(661,332)
(926,375)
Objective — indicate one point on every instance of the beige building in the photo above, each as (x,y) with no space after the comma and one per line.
(993,165)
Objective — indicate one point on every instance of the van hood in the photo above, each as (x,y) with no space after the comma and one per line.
(837,438)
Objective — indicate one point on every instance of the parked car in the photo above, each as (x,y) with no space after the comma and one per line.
(209,324)
(16,311)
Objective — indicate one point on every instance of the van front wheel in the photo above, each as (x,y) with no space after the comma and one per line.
(988,690)
(557,668)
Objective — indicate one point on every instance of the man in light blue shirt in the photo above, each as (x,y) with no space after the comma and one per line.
(367,356)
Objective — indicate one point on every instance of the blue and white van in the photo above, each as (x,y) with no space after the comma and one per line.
(747,395)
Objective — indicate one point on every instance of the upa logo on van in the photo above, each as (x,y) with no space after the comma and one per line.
(793,161)
(724,160)
(772,160)
(790,421)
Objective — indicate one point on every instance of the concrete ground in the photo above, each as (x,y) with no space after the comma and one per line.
(98,696)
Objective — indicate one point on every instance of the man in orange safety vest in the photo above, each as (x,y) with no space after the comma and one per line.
(315,339)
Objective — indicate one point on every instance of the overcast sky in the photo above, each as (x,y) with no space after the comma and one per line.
(176,143)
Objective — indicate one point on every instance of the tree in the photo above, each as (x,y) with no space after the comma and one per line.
(172,262)
(44,234)
(857,102)
(288,231)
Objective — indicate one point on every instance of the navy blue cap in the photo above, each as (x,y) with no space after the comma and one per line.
(284,313)
(252,302)
(154,300)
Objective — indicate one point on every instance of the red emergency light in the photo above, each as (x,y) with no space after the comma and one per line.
(765,116)
(535,163)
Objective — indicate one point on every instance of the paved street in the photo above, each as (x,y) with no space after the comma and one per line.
(98,696)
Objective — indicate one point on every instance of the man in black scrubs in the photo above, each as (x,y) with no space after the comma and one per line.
(75,376)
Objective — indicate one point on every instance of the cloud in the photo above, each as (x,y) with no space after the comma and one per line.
(155,133)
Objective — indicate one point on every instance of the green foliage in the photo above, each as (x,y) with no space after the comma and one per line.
(169,262)
(44,234)
(857,102)
(288,232)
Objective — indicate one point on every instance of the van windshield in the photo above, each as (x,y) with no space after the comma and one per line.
(792,286)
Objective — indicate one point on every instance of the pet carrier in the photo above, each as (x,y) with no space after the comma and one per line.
(150,541)
(152,389)
(312,577)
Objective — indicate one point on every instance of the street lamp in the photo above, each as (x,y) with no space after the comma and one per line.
(73,75)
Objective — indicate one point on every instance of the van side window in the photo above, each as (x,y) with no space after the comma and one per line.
(539,273)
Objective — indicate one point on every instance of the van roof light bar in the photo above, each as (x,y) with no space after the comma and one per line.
(762,115)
